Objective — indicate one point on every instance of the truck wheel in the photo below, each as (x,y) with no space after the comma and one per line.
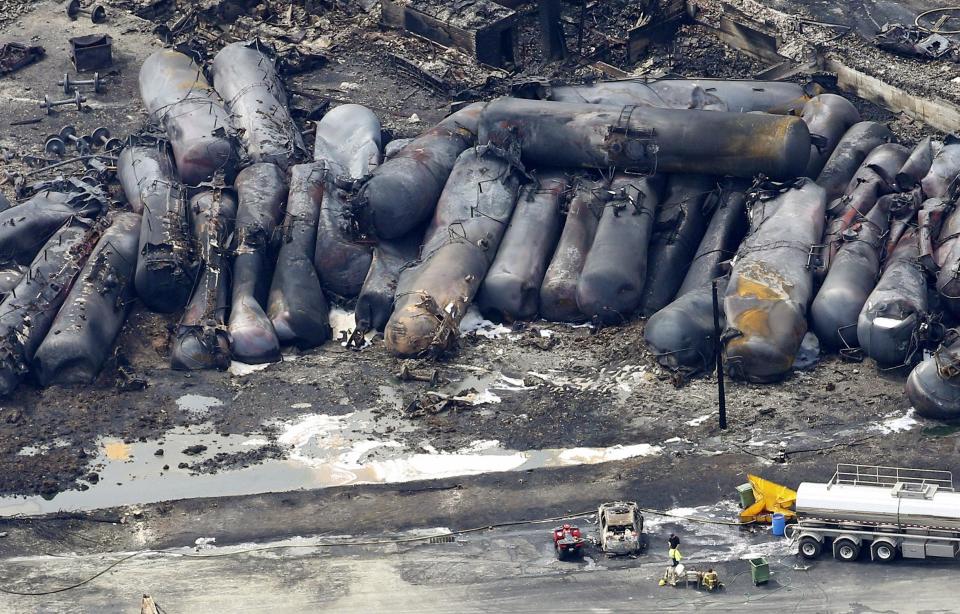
(559,551)
(883,552)
(846,550)
(810,547)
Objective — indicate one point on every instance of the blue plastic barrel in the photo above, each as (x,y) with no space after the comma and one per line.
(778,525)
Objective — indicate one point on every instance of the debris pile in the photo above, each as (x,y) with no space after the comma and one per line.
(578,203)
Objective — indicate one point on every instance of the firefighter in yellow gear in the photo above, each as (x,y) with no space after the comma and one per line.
(711,581)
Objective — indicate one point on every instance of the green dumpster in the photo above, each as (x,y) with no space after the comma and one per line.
(747,498)
(759,571)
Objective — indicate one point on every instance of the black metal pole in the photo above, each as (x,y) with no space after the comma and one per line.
(718,353)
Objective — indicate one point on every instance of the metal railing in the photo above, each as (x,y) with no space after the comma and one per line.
(877,475)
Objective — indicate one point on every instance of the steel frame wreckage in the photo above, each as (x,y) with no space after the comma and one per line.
(596,202)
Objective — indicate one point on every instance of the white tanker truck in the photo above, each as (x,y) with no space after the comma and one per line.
(888,511)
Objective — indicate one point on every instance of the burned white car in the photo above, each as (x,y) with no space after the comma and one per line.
(621,527)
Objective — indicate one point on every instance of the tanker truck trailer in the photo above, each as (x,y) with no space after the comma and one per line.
(886,511)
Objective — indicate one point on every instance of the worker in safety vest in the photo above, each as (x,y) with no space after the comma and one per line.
(675,556)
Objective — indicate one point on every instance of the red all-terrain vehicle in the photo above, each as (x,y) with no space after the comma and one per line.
(568,542)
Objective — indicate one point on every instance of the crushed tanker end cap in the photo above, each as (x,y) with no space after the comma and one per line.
(348,148)
(296,305)
(246,79)
(873,179)
(611,283)
(682,333)
(390,258)
(728,226)
(646,139)
(25,228)
(771,284)
(828,117)
(707,94)
(852,276)
(166,259)
(680,225)
(200,338)
(888,328)
(849,154)
(558,293)
(917,165)
(82,334)
(403,191)
(28,311)
(511,289)
(179,98)
(261,192)
(933,387)
(904,208)
(943,178)
(458,248)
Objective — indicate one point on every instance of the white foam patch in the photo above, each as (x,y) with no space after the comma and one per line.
(342,455)
(591,456)
(343,321)
(473,322)
(239,369)
(894,423)
(698,421)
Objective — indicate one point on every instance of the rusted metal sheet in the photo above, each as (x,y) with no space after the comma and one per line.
(296,305)
(708,94)
(828,117)
(403,191)
(261,193)
(723,236)
(348,149)
(246,79)
(888,324)
(771,284)
(482,28)
(681,222)
(511,289)
(611,283)
(25,228)
(201,340)
(82,334)
(646,139)
(179,98)
(458,248)
(28,311)
(852,276)
(682,334)
(166,260)
(558,293)
(943,179)
(849,154)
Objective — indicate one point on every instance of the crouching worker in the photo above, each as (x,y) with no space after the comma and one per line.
(711,581)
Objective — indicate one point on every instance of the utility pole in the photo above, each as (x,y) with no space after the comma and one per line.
(718,354)
(551,30)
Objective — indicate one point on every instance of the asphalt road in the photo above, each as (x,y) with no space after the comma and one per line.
(502,570)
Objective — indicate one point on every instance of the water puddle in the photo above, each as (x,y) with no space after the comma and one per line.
(312,451)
